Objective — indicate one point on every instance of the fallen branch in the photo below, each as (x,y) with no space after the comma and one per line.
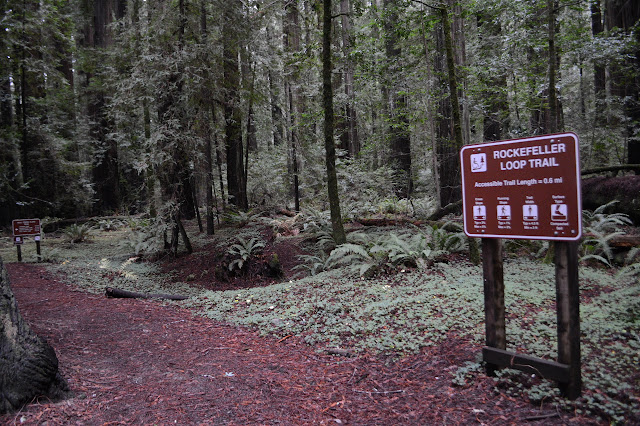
(338,351)
(124,294)
(541,417)
(379,392)
(285,338)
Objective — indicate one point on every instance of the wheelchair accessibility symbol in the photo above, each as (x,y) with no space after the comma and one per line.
(478,162)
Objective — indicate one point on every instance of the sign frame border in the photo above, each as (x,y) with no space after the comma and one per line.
(25,235)
(576,140)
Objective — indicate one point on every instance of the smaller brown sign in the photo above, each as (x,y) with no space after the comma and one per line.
(23,227)
(18,241)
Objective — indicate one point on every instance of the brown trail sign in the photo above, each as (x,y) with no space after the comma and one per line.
(26,227)
(530,189)
(523,188)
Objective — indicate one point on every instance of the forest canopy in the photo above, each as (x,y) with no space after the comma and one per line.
(134,106)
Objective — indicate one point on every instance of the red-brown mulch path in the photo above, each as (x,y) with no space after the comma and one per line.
(137,361)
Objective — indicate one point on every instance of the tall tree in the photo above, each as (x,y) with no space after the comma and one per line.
(277,117)
(236,183)
(38,112)
(396,100)
(350,139)
(449,129)
(97,40)
(598,145)
(292,42)
(624,16)
(207,121)
(492,77)
(339,235)
(554,121)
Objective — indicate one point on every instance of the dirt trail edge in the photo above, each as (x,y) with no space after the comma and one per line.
(139,361)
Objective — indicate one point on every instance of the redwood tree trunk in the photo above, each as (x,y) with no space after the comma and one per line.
(28,364)
(236,185)
(352,144)
(625,77)
(400,142)
(106,175)
(329,144)
(449,128)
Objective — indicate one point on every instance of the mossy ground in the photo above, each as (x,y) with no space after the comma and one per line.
(395,314)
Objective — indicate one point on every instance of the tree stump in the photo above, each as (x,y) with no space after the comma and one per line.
(28,364)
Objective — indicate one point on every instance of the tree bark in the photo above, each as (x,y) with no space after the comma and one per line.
(400,141)
(554,122)
(329,144)
(28,364)
(450,138)
(625,14)
(352,141)
(208,182)
(106,170)
(277,120)
(292,84)
(496,120)
(236,184)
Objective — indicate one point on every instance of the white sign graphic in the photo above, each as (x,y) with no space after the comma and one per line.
(479,213)
(530,212)
(504,212)
(479,162)
(559,212)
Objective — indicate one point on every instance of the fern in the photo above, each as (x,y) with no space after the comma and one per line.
(600,229)
(240,218)
(407,252)
(630,268)
(243,250)
(369,253)
(347,253)
(597,243)
(443,240)
(110,224)
(317,225)
(356,259)
(78,233)
(597,257)
(142,242)
(603,222)
(312,264)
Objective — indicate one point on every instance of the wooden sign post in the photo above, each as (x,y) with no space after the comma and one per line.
(26,227)
(527,189)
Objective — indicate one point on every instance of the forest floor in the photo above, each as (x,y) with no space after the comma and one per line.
(151,362)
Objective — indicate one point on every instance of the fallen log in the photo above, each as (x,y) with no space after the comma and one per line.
(455,208)
(600,190)
(623,167)
(620,241)
(386,221)
(124,294)
(626,241)
(286,212)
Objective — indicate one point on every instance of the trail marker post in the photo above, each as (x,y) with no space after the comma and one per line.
(527,189)
(26,227)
